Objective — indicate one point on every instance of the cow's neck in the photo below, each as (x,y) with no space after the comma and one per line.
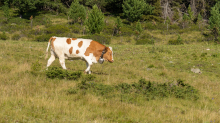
(103,52)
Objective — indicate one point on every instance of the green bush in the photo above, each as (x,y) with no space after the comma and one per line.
(3,36)
(142,89)
(73,75)
(127,31)
(44,37)
(103,39)
(57,29)
(56,72)
(16,37)
(89,77)
(36,67)
(145,39)
(108,29)
(76,28)
(178,41)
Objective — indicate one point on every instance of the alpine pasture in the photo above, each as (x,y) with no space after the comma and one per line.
(28,97)
(146,83)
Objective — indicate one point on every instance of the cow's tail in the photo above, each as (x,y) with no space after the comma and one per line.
(48,47)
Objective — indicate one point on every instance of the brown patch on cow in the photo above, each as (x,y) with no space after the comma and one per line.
(95,48)
(74,38)
(68,41)
(77,51)
(71,50)
(80,44)
(52,43)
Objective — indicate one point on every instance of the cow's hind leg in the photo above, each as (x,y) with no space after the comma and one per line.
(51,59)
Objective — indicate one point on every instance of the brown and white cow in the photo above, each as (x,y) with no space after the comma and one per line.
(78,49)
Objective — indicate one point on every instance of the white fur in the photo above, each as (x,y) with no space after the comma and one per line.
(61,51)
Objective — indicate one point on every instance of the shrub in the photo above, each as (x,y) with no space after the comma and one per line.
(3,36)
(104,39)
(36,67)
(73,75)
(144,89)
(89,77)
(44,37)
(56,72)
(57,29)
(16,37)
(76,28)
(127,31)
(145,39)
(108,29)
(176,42)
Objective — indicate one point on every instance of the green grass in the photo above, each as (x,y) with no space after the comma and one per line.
(28,97)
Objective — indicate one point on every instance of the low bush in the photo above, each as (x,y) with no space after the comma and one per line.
(145,39)
(126,31)
(144,89)
(57,29)
(89,77)
(16,37)
(178,41)
(103,39)
(3,36)
(56,72)
(108,29)
(44,37)
(75,29)
(73,75)
(36,67)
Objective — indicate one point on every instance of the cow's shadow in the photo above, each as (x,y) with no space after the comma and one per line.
(99,73)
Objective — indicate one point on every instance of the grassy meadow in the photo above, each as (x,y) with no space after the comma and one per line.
(33,97)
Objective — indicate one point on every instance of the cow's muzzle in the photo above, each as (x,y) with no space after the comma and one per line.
(111,61)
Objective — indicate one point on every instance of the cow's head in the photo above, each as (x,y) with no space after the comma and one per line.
(108,56)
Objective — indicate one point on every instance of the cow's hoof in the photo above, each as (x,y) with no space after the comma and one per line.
(88,72)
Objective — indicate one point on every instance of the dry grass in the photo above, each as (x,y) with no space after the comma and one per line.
(35,98)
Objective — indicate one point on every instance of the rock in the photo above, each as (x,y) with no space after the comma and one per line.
(196,70)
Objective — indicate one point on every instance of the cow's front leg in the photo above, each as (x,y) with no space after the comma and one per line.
(88,67)
(62,63)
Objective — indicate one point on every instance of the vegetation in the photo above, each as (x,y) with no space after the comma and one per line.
(95,20)
(155,58)
(176,93)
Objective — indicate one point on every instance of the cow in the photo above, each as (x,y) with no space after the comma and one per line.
(87,50)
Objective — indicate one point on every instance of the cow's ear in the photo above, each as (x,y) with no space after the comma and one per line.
(110,48)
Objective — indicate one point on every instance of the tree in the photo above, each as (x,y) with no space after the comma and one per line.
(191,16)
(118,25)
(95,21)
(185,19)
(138,27)
(133,9)
(199,19)
(5,9)
(77,12)
(214,20)
(25,5)
(100,3)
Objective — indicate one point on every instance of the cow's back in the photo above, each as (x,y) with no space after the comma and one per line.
(70,47)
